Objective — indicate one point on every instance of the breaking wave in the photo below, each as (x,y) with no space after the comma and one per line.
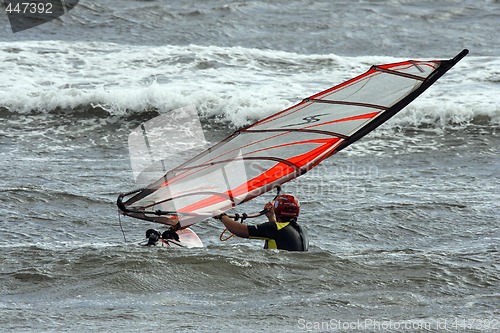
(230,85)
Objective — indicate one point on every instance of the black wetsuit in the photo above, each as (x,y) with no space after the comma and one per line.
(280,235)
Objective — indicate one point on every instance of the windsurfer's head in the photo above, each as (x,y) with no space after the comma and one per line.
(286,207)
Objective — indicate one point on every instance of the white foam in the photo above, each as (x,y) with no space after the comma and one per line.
(235,84)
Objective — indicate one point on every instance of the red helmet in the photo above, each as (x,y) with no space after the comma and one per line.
(286,205)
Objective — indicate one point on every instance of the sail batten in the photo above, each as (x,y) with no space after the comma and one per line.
(365,105)
(283,146)
(406,75)
(306,130)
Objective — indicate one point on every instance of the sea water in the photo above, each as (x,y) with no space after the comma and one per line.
(403,225)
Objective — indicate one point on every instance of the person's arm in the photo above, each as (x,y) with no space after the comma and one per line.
(270,212)
(239,229)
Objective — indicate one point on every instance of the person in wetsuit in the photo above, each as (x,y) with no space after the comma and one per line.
(281,231)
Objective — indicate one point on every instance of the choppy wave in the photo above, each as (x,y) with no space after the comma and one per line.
(398,27)
(229,84)
(244,262)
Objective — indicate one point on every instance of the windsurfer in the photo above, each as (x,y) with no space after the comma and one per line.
(280,232)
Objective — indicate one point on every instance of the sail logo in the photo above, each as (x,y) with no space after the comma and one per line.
(307,120)
(25,14)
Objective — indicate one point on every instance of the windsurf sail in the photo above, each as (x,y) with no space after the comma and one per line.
(283,146)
